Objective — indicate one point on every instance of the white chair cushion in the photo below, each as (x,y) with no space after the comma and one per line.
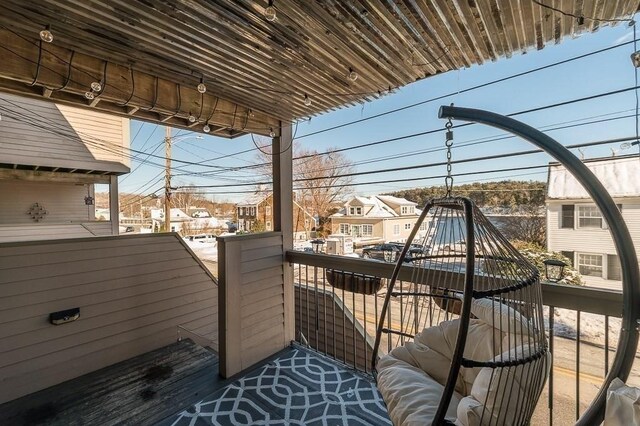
(500,316)
(412,397)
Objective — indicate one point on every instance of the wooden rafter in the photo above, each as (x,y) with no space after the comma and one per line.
(268,67)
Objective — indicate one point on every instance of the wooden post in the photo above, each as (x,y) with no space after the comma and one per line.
(114,206)
(283,217)
(167,179)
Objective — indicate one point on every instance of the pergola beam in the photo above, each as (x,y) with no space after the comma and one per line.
(134,94)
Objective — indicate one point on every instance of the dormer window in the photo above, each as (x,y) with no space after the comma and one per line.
(355,211)
(407,210)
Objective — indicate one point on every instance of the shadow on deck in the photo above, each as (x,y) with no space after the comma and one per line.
(141,390)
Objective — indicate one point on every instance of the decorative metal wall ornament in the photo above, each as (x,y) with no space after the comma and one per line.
(37,212)
(88,200)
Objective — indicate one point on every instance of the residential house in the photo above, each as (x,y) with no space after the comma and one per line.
(376,218)
(180,221)
(259,210)
(53,155)
(575,226)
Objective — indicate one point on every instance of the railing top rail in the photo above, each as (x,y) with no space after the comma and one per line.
(584,299)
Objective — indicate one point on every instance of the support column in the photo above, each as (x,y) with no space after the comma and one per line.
(283,217)
(114,205)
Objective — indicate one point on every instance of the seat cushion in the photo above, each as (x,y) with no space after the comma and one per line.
(412,397)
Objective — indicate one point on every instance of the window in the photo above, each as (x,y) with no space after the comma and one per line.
(345,228)
(407,226)
(407,210)
(589,217)
(614,272)
(567,220)
(424,225)
(355,211)
(396,229)
(590,264)
(252,211)
(267,210)
(367,230)
(569,255)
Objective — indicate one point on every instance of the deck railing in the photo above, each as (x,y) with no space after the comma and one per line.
(582,326)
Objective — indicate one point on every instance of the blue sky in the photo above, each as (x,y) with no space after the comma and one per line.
(596,74)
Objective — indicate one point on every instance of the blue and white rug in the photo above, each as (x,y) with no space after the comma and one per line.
(298,388)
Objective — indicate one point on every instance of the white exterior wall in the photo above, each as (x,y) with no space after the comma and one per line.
(67,214)
(591,241)
(48,135)
(389,224)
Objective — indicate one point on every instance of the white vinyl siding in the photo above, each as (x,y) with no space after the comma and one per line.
(133,292)
(95,141)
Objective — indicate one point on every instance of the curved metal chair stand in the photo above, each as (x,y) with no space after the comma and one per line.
(496,274)
(628,341)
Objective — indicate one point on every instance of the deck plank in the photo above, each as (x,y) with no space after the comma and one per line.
(141,390)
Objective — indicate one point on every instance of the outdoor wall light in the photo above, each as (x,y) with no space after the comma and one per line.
(554,269)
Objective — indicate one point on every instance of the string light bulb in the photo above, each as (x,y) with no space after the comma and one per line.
(96,86)
(270,12)
(89,95)
(46,35)
(202,87)
(272,134)
(353,76)
(307,101)
(192,118)
(206,128)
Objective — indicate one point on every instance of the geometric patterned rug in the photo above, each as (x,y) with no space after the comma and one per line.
(297,388)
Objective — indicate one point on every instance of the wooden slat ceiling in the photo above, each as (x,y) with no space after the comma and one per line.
(257,72)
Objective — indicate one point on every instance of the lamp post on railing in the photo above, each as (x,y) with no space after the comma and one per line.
(168,140)
(554,269)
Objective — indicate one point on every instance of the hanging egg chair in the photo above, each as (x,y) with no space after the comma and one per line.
(463,323)
(471,344)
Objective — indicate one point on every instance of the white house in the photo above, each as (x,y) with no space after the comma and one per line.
(380,217)
(179,222)
(53,155)
(575,226)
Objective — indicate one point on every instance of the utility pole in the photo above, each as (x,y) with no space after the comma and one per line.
(167,179)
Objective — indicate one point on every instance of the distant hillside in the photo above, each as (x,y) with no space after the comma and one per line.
(504,194)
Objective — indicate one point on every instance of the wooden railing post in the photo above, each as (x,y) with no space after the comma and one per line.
(251,311)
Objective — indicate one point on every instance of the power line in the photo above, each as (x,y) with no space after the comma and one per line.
(468,89)
(422,166)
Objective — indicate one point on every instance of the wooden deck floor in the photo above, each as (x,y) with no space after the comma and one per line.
(141,390)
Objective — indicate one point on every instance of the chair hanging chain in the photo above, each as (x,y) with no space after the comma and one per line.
(448,181)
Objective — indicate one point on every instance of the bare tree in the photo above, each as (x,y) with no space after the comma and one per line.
(319,181)
(529,227)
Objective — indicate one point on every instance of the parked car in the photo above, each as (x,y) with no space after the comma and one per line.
(389,252)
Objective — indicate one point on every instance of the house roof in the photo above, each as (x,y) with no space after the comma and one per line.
(253,200)
(620,176)
(258,72)
(389,199)
(380,206)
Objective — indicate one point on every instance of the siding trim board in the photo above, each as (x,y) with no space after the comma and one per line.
(129,304)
